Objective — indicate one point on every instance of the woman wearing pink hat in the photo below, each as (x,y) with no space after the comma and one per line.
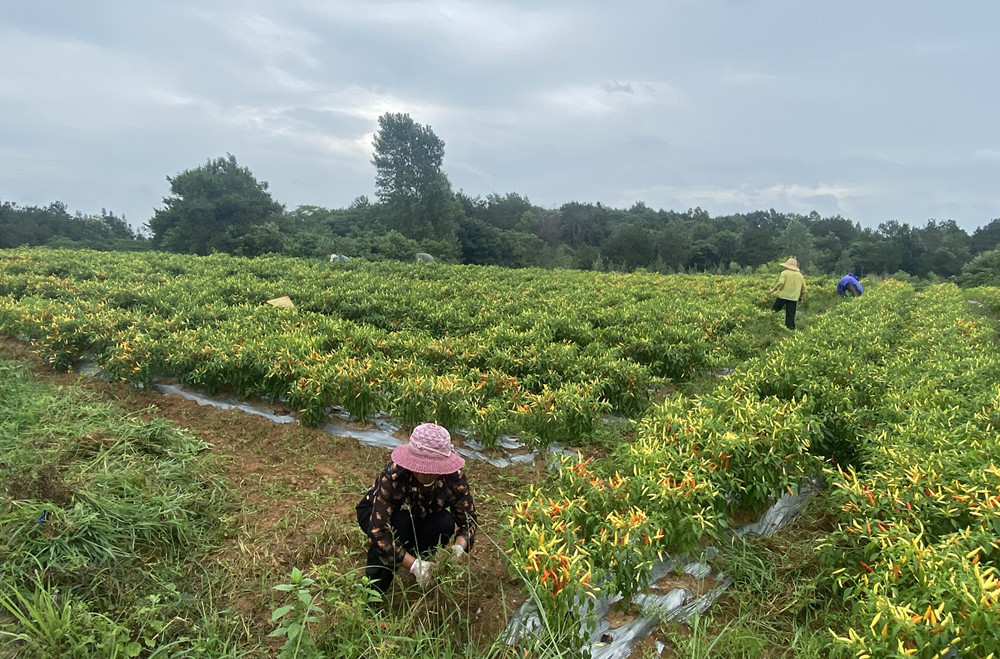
(419,502)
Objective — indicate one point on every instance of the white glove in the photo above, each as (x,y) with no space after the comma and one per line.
(423,571)
(458,550)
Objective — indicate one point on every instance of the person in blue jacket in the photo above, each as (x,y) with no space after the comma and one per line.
(850,285)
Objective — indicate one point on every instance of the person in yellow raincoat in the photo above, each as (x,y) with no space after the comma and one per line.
(790,287)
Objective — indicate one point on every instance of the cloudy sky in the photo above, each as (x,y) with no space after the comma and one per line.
(871,110)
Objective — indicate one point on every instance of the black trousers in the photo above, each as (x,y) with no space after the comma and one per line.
(420,537)
(789,306)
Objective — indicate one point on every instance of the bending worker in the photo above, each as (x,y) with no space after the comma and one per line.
(420,501)
(850,285)
(791,288)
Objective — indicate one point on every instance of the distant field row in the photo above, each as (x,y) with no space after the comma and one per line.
(537,353)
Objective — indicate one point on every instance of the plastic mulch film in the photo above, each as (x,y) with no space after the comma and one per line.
(510,450)
(658,604)
(781,513)
(223,403)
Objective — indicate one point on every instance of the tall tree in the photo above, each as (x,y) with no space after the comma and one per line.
(584,224)
(828,253)
(986,238)
(728,246)
(212,208)
(505,211)
(844,230)
(417,195)
(760,237)
(945,248)
(629,248)
(873,253)
(982,270)
(798,242)
(674,244)
(906,244)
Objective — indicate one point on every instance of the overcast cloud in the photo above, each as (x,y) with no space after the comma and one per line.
(870,110)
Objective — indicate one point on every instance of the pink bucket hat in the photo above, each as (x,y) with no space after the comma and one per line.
(429,451)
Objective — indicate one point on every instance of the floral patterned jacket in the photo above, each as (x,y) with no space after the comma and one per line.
(397,489)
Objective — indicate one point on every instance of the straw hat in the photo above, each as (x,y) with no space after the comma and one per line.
(429,452)
(791,264)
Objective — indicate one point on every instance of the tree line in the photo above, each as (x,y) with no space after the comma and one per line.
(53,225)
(221,207)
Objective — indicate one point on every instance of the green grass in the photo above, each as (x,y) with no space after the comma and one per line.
(131,510)
(773,608)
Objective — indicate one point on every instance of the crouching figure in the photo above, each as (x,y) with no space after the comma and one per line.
(850,285)
(420,501)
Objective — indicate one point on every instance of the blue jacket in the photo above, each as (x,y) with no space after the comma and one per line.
(847,280)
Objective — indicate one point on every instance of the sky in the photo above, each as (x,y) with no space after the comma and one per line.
(873,111)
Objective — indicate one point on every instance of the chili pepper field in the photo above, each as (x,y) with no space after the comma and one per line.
(683,401)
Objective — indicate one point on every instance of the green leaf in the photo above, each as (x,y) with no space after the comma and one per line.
(281,611)
(133,649)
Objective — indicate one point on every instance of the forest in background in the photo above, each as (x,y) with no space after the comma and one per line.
(221,207)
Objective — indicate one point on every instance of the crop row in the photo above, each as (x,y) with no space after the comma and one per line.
(533,353)
(893,397)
